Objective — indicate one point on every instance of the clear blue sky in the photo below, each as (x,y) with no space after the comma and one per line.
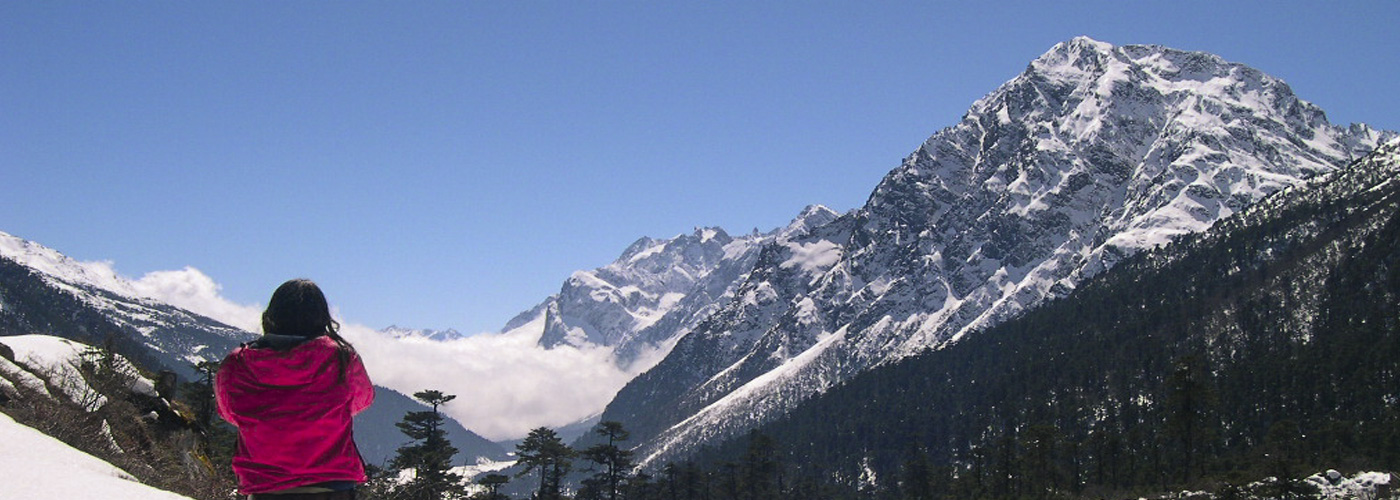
(449,164)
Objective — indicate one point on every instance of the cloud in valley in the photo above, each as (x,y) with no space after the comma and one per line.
(506,384)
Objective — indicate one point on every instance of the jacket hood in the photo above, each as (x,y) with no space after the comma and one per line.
(287,361)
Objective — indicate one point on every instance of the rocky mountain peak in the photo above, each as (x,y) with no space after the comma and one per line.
(811,217)
(1093,153)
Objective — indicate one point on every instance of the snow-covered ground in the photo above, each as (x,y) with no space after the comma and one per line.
(1334,485)
(470,473)
(38,466)
(57,359)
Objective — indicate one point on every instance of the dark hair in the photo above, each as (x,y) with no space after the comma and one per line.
(298,308)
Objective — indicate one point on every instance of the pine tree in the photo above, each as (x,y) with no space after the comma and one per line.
(493,483)
(1190,401)
(762,473)
(544,451)
(692,482)
(200,393)
(430,455)
(917,481)
(614,460)
(100,369)
(1041,466)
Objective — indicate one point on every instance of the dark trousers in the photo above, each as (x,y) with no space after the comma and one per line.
(330,495)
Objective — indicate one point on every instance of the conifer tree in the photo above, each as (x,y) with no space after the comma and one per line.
(1190,401)
(99,368)
(917,480)
(762,473)
(430,454)
(544,451)
(615,461)
(493,483)
(200,393)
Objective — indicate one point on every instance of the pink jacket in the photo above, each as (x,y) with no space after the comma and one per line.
(293,412)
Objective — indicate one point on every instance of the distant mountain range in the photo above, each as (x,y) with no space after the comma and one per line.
(657,291)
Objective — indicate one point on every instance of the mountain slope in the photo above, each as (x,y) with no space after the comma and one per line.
(1094,153)
(52,469)
(1283,317)
(123,431)
(44,291)
(655,292)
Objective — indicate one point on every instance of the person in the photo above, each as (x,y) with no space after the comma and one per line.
(293,394)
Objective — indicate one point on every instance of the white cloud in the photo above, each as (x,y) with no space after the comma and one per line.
(191,289)
(506,384)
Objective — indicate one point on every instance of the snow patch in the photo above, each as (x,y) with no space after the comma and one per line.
(58,359)
(761,294)
(645,254)
(12,371)
(813,257)
(647,317)
(49,262)
(52,469)
(482,466)
(807,312)
(746,396)
(1333,485)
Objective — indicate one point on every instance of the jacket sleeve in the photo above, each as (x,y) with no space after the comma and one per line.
(222,389)
(361,389)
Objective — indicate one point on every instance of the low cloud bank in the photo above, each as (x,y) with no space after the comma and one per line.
(505,383)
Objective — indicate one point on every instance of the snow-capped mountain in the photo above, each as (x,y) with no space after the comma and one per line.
(655,292)
(44,291)
(1093,153)
(1285,312)
(400,332)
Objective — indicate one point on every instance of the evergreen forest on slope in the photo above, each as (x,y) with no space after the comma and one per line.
(1265,347)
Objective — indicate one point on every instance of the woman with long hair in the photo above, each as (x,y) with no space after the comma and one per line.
(292,395)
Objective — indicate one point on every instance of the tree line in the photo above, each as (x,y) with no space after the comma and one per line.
(422,470)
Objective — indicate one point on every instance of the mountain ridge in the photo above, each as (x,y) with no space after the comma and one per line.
(1093,153)
(1283,316)
(654,292)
